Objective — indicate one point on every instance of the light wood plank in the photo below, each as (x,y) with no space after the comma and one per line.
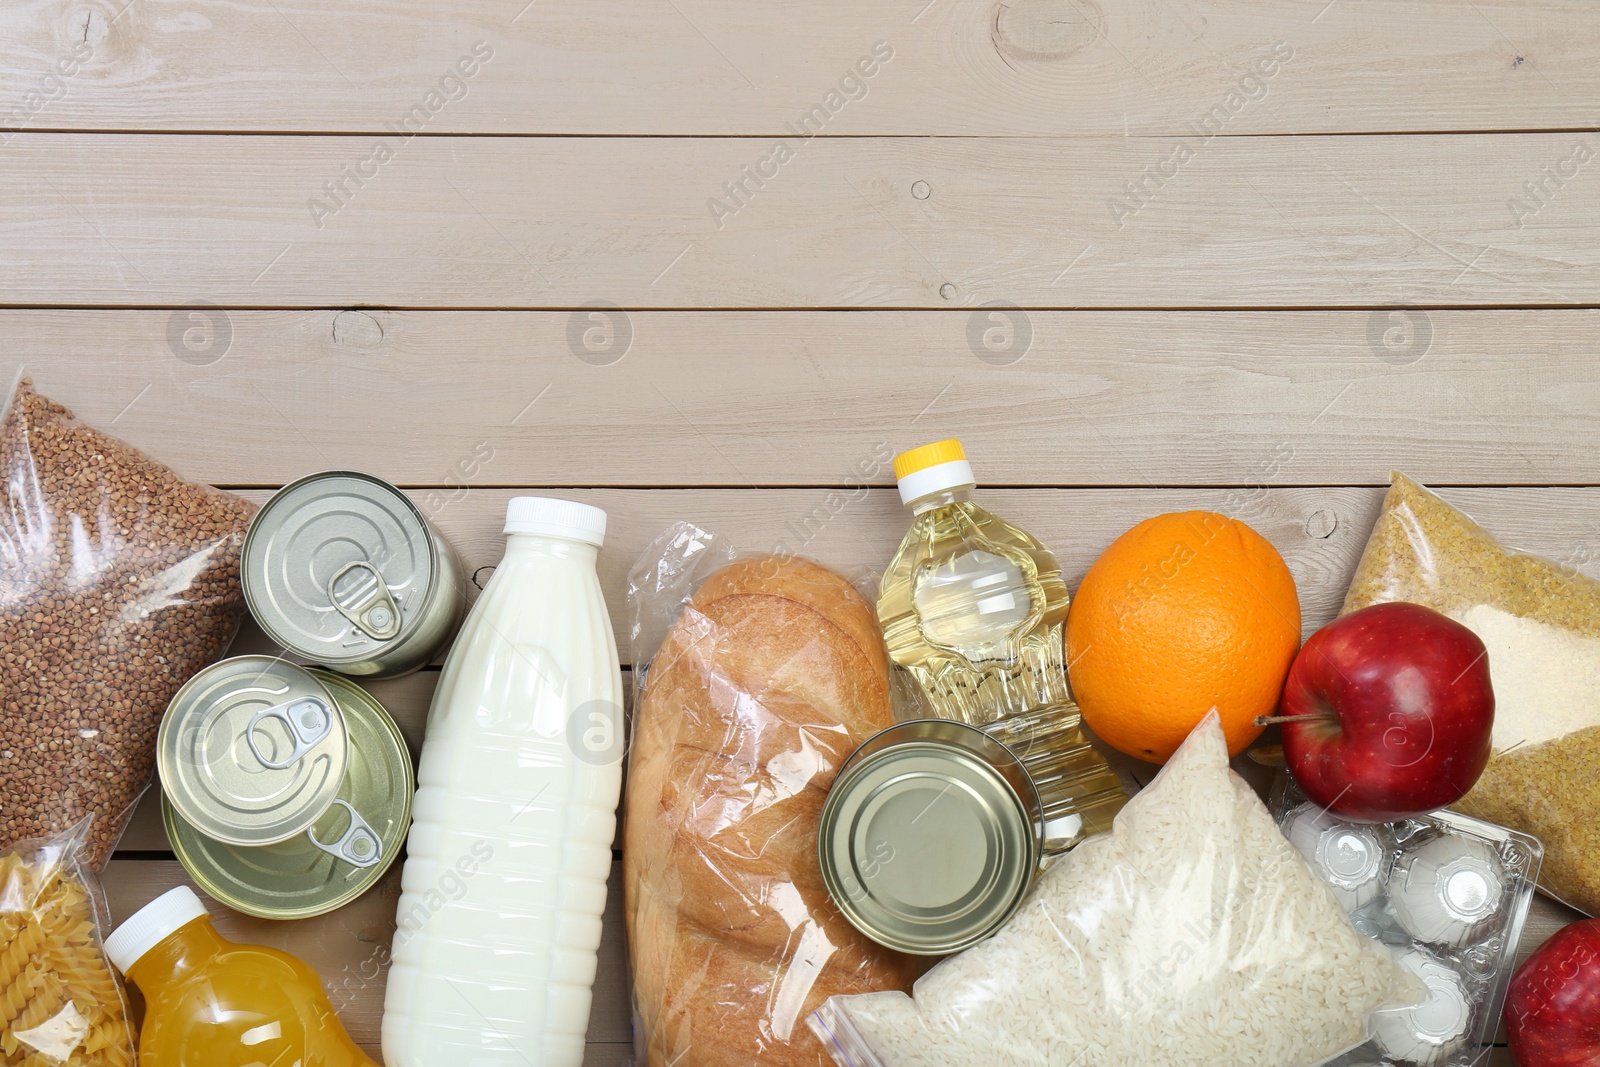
(1319,530)
(558,222)
(824,398)
(350,949)
(721,67)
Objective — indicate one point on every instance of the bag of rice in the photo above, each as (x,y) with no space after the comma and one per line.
(1540,622)
(1191,935)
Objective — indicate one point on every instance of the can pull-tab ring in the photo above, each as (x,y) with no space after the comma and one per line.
(359,846)
(308,720)
(363,597)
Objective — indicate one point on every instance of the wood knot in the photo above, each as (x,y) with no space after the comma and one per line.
(1322,523)
(356,328)
(1043,30)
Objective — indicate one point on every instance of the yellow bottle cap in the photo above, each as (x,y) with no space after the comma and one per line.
(946,451)
(934,468)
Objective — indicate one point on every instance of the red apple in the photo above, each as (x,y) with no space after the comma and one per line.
(1388,713)
(1553,1004)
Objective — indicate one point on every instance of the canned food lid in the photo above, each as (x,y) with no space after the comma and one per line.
(926,847)
(295,878)
(338,565)
(252,750)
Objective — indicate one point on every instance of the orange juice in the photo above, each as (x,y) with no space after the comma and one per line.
(212,1003)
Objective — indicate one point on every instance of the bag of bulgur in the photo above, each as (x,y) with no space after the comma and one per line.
(1541,624)
(118,580)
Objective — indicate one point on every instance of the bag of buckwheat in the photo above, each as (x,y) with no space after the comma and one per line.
(118,580)
(1193,934)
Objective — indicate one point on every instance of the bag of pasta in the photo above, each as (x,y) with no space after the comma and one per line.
(60,1003)
(1540,622)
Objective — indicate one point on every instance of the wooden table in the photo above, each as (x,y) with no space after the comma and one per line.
(718,260)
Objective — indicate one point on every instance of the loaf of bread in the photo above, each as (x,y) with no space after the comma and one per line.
(766,682)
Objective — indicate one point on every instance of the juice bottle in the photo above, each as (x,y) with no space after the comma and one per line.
(505,879)
(212,1003)
(973,608)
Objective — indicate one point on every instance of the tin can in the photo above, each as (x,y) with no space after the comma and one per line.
(343,569)
(252,750)
(930,836)
(343,854)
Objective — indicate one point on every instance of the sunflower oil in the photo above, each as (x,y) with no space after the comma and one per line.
(973,608)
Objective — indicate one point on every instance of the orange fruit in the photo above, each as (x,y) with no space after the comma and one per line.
(1182,613)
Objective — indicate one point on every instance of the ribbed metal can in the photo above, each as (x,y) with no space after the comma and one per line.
(930,836)
(252,750)
(352,843)
(341,568)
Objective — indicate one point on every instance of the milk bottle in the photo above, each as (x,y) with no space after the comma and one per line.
(505,879)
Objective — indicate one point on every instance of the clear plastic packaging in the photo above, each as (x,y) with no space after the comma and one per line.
(1541,624)
(1193,934)
(1449,894)
(61,1004)
(758,676)
(118,580)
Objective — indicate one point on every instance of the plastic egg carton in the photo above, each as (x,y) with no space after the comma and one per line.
(1449,895)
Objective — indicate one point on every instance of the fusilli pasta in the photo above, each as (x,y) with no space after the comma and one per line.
(60,1004)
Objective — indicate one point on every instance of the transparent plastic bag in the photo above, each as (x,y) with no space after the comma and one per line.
(1191,935)
(1541,624)
(757,676)
(118,580)
(60,1003)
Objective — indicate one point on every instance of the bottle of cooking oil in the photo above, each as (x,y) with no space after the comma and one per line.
(973,608)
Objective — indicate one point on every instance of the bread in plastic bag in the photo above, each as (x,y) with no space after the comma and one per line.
(118,580)
(1192,935)
(1541,624)
(770,670)
(60,1002)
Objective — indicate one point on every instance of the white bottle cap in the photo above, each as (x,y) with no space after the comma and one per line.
(556,518)
(153,924)
(934,468)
